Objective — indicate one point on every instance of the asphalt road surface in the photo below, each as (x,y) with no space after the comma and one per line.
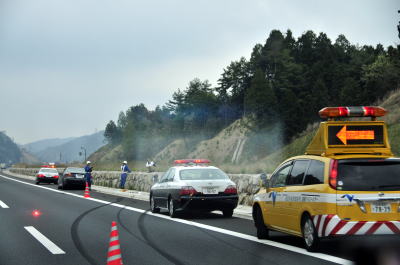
(75,230)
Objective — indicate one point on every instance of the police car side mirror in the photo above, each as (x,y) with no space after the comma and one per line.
(264,180)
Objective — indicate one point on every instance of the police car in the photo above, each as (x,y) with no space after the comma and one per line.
(47,174)
(347,183)
(191,184)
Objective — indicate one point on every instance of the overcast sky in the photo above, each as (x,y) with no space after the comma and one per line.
(67,67)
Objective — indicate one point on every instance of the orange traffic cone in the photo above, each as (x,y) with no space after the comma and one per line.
(114,252)
(87,193)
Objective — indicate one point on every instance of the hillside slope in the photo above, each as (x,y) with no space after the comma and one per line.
(226,146)
(9,151)
(392,104)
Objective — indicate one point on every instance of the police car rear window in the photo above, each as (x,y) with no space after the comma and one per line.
(372,175)
(202,174)
(49,170)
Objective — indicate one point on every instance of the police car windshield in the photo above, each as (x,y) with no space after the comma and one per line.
(48,170)
(202,174)
(372,175)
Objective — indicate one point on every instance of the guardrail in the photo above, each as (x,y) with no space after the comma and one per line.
(247,184)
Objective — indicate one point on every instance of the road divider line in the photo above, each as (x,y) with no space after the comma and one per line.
(53,248)
(298,250)
(3,205)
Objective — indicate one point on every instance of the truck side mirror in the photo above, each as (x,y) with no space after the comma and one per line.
(264,180)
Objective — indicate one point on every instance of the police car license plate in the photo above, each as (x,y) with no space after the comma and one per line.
(381,207)
(210,191)
(79,176)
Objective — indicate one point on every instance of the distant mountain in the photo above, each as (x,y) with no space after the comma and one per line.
(9,151)
(69,151)
(41,145)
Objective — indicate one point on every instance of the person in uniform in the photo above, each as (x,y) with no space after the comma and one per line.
(124,173)
(88,174)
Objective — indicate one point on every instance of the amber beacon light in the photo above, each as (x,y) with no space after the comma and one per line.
(335,112)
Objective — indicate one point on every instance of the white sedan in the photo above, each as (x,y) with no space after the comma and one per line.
(193,185)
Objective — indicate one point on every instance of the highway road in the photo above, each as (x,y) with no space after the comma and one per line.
(75,230)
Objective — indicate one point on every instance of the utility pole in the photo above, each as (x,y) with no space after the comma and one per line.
(84,149)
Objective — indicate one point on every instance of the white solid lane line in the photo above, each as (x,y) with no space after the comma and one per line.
(53,248)
(3,205)
(291,248)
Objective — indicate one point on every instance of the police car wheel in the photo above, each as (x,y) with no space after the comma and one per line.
(171,208)
(153,207)
(262,230)
(310,235)
(37,182)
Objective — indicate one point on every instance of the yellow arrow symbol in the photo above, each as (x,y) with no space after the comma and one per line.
(345,135)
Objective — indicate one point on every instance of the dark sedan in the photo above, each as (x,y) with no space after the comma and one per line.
(72,177)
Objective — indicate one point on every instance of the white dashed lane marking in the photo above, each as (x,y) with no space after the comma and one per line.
(3,205)
(53,248)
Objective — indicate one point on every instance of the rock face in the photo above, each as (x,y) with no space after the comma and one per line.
(247,184)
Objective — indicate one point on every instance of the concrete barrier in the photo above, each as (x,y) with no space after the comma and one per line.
(247,184)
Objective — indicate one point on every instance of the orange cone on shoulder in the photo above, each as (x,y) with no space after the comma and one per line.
(87,193)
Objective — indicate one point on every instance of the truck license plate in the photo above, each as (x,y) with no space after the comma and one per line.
(381,207)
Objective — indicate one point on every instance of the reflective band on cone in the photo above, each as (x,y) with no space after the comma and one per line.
(114,252)
(87,193)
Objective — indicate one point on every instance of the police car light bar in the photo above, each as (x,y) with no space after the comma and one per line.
(332,112)
(192,161)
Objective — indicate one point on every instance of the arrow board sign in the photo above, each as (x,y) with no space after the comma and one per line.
(355,135)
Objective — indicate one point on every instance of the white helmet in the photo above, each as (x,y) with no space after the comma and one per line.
(125,162)
(88,162)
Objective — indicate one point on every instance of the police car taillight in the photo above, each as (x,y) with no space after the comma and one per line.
(191,161)
(333,173)
(231,189)
(334,112)
(187,190)
(40,176)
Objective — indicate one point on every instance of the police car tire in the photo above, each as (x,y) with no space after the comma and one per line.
(310,246)
(171,208)
(227,212)
(37,182)
(153,208)
(262,230)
